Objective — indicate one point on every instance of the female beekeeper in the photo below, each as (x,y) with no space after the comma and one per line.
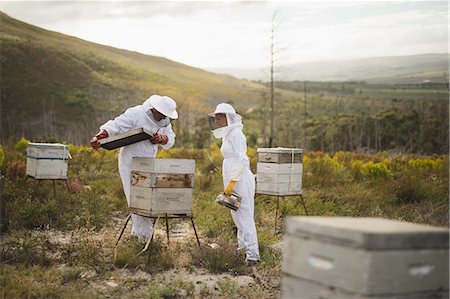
(154,115)
(225,123)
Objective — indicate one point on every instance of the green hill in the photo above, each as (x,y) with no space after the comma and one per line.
(64,87)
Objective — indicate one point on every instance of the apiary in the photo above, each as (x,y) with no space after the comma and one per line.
(162,186)
(279,171)
(344,257)
(47,160)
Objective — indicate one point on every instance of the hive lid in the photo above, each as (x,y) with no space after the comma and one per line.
(47,145)
(280,150)
(126,138)
(368,233)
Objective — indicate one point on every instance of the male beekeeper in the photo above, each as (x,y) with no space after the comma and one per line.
(154,115)
(226,124)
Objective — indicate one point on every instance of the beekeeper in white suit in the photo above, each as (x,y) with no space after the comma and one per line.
(154,115)
(225,123)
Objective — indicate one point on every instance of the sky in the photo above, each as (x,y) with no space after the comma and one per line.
(232,34)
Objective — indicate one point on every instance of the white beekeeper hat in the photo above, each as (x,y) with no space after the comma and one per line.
(164,105)
(224,108)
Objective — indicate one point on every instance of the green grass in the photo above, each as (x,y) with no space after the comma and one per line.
(344,184)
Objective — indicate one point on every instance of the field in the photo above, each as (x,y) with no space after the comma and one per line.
(62,244)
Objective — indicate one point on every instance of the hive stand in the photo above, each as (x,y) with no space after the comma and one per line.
(54,187)
(155,220)
(277,210)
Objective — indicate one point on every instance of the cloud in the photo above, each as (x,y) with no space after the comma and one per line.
(237,34)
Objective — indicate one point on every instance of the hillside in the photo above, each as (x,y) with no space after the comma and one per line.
(413,69)
(63,87)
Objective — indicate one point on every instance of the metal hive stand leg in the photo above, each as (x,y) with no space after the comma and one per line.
(120,235)
(167,230)
(195,231)
(304,204)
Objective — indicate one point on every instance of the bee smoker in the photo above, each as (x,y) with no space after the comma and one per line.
(232,202)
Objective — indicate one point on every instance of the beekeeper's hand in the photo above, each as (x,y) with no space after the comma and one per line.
(229,188)
(95,143)
(156,139)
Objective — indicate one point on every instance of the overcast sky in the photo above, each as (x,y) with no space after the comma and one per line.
(237,34)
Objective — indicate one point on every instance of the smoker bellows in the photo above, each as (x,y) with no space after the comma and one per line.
(160,186)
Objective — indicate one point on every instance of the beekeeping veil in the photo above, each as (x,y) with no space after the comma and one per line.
(234,120)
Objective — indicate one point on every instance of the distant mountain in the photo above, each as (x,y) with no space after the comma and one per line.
(391,70)
(64,87)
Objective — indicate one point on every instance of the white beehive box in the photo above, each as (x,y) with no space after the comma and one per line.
(47,160)
(343,257)
(162,186)
(279,171)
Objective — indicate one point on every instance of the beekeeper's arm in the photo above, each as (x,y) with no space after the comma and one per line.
(121,124)
(240,148)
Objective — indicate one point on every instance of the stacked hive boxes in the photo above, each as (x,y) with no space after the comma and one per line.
(279,171)
(160,186)
(340,257)
(47,160)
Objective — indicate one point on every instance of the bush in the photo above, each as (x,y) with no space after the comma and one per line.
(376,171)
(22,145)
(409,189)
(217,260)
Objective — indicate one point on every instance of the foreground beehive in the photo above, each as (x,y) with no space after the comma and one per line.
(343,257)
(160,186)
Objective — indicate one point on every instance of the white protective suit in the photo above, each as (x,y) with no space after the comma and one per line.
(133,118)
(236,165)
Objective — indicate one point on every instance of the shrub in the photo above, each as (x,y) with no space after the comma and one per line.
(216,260)
(22,145)
(375,171)
(16,169)
(227,286)
(409,189)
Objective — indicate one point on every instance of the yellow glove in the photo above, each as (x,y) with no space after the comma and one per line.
(230,188)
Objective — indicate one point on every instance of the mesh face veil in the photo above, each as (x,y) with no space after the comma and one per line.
(218,120)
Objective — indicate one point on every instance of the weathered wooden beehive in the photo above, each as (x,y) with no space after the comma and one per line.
(162,186)
(279,171)
(47,160)
(343,257)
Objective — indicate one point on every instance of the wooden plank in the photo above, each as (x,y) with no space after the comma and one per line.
(292,286)
(47,169)
(161,200)
(280,158)
(279,168)
(276,178)
(161,180)
(47,150)
(279,189)
(168,166)
(174,181)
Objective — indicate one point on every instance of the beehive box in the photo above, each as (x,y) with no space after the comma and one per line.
(279,171)
(342,257)
(162,186)
(47,160)
(280,155)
